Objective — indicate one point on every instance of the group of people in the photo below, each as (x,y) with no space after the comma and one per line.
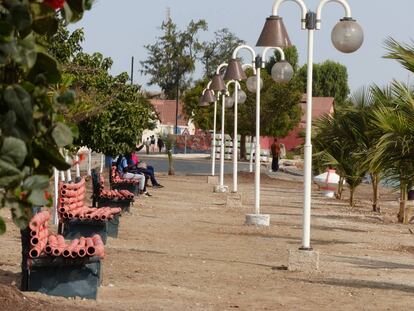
(130,167)
(150,144)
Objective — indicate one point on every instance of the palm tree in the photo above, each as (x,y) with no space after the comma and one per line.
(394,150)
(337,144)
(363,102)
(402,52)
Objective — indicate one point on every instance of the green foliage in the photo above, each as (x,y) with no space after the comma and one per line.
(330,79)
(337,143)
(402,52)
(172,57)
(219,50)
(32,127)
(111,134)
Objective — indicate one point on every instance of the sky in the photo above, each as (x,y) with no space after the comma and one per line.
(120,29)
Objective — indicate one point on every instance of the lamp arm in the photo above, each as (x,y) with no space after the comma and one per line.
(208,84)
(244,66)
(280,50)
(302,5)
(221,66)
(344,3)
(228,84)
(244,47)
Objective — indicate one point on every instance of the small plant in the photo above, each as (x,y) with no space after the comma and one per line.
(169,141)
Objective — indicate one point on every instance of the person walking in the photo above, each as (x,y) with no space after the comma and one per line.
(275,150)
(147,145)
(152,143)
(160,144)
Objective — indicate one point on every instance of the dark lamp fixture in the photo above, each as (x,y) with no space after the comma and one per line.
(274,33)
(234,71)
(217,84)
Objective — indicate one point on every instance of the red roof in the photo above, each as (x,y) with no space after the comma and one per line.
(166,111)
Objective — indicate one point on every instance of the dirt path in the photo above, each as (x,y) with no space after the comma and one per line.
(183,250)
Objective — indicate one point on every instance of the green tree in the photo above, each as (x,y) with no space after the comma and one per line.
(111,113)
(219,50)
(32,127)
(330,79)
(172,57)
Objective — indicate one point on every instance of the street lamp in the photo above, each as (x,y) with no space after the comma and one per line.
(347,36)
(232,74)
(218,86)
(239,96)
(206,98)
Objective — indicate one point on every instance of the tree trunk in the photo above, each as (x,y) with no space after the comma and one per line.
(402,217)
(243,147)
(170,163)
(375,192)
(351,196)
(340,188)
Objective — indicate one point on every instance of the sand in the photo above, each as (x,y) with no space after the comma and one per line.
(182,249)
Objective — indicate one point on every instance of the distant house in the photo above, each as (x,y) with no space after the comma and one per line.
(320,106)
(166,110)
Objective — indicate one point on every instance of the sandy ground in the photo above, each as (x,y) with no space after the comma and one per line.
(182,249)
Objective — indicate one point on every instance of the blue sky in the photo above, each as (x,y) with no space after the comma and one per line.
(120,29)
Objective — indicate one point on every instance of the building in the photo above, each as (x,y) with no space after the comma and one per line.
(166,110)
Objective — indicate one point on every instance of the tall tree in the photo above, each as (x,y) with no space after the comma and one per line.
(172,57)
(218,50)
(329,79)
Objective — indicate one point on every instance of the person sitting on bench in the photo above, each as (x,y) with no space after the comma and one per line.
(142,167)
(125,171)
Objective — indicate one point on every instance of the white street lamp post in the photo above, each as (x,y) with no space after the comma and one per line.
(347,36)
(259,63)
(217,85)
(205,102)
(213,161)
(236,95)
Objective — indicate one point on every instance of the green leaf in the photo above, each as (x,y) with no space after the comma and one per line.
(6,30)
(7,121)
(36,182)
(19,101)
(37,197)
(62,135)
(26,52)
(76,9)
(20,16)
(47,66)
(50,155)
(7,49)
(67,13)
(10,176)
(2,226)
(13,151)
(67,97)
(44,20)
